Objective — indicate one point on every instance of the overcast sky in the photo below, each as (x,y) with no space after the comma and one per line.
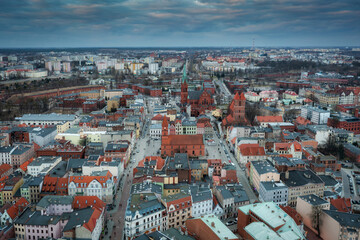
(166,23)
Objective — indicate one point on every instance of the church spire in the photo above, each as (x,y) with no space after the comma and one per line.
(184,76)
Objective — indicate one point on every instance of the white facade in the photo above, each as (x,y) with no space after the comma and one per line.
(38,136)
(153,68)
(5,154)
(276,192)
(42,163)
(252,97)
(315,115)
(347,99)
(218,211)
(244,159)
(94,188)
(144,219)
(269,94)
(5,217)
(155,131)
(47,119)
(320,117)
(36,74)
(115,168)
(202,204)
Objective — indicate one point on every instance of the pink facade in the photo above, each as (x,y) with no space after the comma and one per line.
(35,232)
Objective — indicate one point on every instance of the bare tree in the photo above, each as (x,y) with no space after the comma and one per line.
(316,221)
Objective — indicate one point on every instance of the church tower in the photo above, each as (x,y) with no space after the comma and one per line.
(184,87)
(239,108)
(165,127)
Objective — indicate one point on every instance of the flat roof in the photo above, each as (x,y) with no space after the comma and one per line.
(218,227)
(47,117)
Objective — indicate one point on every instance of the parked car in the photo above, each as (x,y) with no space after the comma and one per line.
(229,223)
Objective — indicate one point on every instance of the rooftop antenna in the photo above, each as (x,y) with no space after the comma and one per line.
(253,44)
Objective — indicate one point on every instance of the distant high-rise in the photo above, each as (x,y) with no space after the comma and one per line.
(66,67)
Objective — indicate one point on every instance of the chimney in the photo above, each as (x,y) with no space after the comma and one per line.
(356,112)
(212,224)
(287,175)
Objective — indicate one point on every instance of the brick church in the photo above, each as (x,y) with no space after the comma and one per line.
(236,112)
(193,145)
(198,100)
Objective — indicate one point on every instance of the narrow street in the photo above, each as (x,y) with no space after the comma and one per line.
(240,173)
(143,147)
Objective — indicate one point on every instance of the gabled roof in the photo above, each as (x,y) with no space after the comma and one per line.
(341,204)
(159,161)
(25,164)
(269,119)
(86,180)
(282,146)
(4,168)
(81,202)
(185,139)
(17,208)
(240,97)
(251,150)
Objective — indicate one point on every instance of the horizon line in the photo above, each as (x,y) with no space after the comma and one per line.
(162,47)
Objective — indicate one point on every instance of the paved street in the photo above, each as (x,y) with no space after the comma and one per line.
(346,185)
(143,147)
(221,154)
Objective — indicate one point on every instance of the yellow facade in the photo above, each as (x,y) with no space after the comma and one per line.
(289,96)
(113,103)
(91,94)
(326,99)
(8,196)
(62,127)
(73,138)
(171,191)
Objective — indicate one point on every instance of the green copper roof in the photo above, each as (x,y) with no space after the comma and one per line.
(184,77)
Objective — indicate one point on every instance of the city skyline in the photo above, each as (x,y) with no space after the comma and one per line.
(149,23)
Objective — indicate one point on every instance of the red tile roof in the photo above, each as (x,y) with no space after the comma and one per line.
(183,140)
(302,121)
(214,161)
(91,224)
(160,162)
(297,147)
(158,117)
(282,146)
(293,214)
(88,179)
(49,184)
(80,202)
(251,150)
(341,204)
(17,208)
(25,164)
(269,119)
(239,97)
(4,168)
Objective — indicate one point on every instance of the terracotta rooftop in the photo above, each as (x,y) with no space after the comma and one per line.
(183,140)
(269,119)
(251,150)
(80,202)
(341,204)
